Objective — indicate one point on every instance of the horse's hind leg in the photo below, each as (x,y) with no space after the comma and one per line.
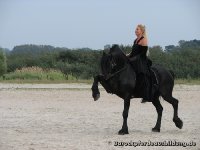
(159,110)
(178,122)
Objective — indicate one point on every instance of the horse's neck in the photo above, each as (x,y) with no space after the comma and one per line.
(122,61)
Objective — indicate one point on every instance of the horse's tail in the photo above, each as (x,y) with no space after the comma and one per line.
(172,73)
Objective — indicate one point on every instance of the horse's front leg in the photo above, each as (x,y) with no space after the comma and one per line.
(95,89)
(124,129)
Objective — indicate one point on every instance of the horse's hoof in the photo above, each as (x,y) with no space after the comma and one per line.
(178,122)
(96,97)
(155,130)
(123,131)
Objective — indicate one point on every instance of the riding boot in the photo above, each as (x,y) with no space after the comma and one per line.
(147,95)
(154,89)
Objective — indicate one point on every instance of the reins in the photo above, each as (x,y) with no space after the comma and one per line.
(109,76)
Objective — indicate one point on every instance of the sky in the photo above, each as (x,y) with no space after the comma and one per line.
(95,23)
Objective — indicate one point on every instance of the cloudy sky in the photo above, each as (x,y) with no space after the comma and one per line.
(95,23)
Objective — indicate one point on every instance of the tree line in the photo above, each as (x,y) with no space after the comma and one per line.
(183,59)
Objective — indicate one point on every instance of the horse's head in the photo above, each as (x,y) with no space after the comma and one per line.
(113,60)
(118,55)
(106,64)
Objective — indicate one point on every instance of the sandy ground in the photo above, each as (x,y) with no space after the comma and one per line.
(65,117)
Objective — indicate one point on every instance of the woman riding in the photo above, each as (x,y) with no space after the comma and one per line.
(141,63)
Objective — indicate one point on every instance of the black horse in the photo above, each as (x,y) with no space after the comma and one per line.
(118,77)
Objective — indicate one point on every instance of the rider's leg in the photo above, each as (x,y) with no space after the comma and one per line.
(147,87)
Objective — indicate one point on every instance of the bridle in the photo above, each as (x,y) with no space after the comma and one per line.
(113,64)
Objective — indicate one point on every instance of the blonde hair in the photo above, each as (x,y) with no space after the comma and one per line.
(143,29)
(144,33)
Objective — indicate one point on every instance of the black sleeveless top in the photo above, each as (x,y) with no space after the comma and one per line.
(142,63)
(138,49)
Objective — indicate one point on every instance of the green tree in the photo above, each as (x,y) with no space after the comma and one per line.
(3,64)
